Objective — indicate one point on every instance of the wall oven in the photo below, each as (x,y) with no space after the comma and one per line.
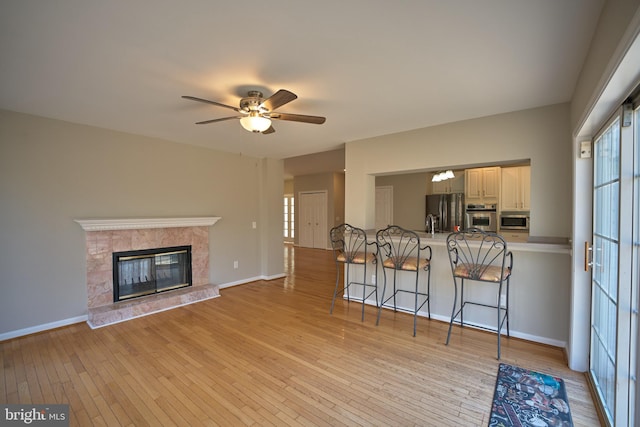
(514,221)
(481,216)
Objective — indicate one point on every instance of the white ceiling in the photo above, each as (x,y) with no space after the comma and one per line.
(372,67)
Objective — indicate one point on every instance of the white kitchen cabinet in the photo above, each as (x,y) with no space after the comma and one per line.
(448,186)
(472,184)
(516,188)
(482,185)
(491,182)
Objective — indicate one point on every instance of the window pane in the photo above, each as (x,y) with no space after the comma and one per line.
(606,202)
(635,268)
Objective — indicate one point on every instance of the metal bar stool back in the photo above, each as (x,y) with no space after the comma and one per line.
(480,256)
(400,250)
(350,246)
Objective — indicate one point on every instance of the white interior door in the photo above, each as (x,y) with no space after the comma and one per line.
(320,235)
(313,220)
(305,220)
(384,207)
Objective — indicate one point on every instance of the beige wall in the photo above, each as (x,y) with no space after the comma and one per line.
(52,172)
(270,222)
(409,203)
(288,186)
(540,134)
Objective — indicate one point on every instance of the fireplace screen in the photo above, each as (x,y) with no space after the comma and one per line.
(145,272)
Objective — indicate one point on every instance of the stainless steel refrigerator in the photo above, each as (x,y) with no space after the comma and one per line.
(447,209)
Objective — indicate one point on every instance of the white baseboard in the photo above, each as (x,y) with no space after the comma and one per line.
(515,334)
(251,279)
(274,277)
(44,327)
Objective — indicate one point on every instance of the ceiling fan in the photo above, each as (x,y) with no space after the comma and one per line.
(256,112)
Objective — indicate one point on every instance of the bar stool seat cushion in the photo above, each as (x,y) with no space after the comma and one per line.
(355,257)
(408,263)
(486,273)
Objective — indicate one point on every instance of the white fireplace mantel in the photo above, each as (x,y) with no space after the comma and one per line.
(140,223)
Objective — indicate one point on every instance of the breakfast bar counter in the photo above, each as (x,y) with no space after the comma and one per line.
(532,243)
(539,290)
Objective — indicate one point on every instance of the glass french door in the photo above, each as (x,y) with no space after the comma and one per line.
(289,217)
(614,291)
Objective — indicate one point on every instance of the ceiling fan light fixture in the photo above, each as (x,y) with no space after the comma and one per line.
(255,123)
(256,112)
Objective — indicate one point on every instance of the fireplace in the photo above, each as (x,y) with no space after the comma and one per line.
(104,237)
(146,272)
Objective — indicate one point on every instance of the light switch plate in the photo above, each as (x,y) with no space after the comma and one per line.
(585,149)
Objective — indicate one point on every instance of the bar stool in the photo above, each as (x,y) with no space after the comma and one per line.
(480,256)
(350,246)
(402,252)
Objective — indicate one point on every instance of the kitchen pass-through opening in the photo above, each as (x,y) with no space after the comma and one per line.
(150,271)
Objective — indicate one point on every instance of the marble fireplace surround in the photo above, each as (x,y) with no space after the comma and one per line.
(105,236)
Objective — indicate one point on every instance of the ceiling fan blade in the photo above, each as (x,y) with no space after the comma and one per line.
(298,118)
(270,130)
(278,99)
(193,98)
(217,120)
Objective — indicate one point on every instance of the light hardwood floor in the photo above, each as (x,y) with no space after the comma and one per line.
(269,353)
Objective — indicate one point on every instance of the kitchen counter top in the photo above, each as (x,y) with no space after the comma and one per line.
(533,243)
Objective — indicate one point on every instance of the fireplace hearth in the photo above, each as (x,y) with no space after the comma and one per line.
(146,272)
